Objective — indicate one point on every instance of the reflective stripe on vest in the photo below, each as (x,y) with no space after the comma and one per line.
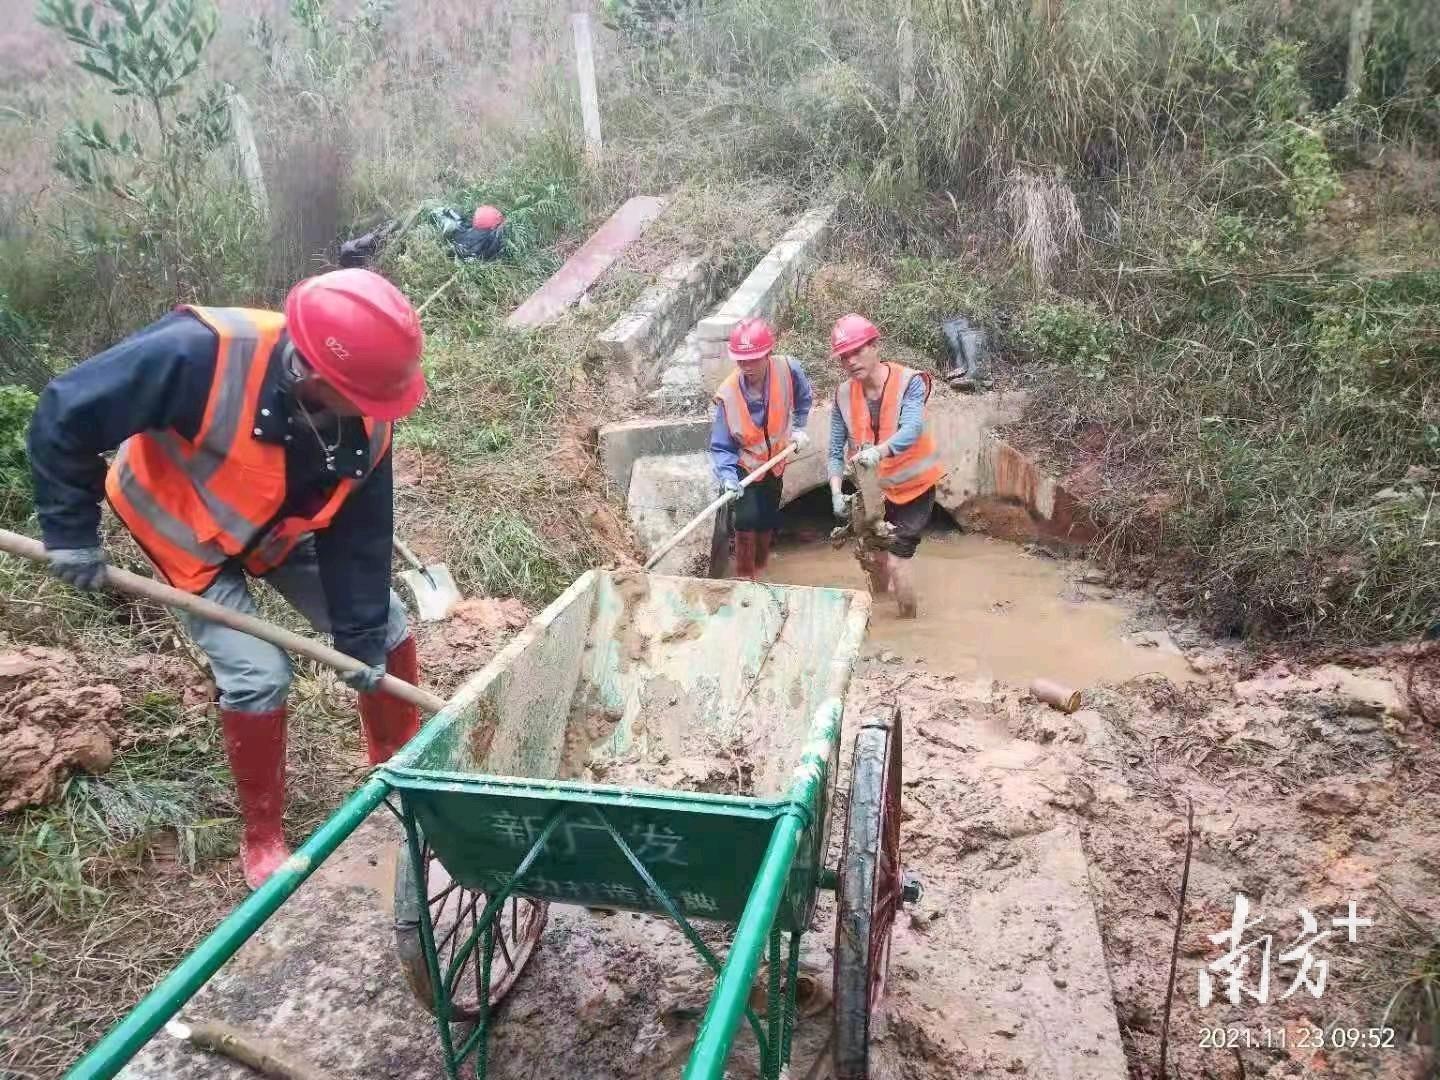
(905,476)
(758,445)
(193,505)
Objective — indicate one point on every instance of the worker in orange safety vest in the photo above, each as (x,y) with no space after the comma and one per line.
(250,444)
(760,409)
(879,420)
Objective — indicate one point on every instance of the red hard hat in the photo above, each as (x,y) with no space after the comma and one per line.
(751,338)
(487,217)
(362,337)
(852,332)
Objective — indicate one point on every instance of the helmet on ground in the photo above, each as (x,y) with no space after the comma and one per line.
(751,339)
(362,337)
(487,217)
(852,332)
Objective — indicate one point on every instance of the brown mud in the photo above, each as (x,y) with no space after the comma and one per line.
(988,609)
(53,722)
(1312,786)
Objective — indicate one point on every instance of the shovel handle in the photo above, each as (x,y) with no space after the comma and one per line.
(136,585)
(408,555)
(413,559)
(694,523)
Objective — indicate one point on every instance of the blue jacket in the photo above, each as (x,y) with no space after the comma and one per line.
(160,378)
(724,453)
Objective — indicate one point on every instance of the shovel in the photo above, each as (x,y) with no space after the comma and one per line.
(432,586)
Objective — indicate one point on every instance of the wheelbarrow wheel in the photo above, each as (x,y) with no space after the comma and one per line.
(455,913)
(871,886)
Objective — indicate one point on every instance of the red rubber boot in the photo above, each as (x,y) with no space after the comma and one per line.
(255,745)
(762,550)
(745,555)
(387,722)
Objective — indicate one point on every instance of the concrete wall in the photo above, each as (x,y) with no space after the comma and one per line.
(664,470)
(658,321)
(766,293)
(962,425)
(981,469)
(623,444)
(665,493)
(691,372)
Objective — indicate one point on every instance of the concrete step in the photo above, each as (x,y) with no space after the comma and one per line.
(596,255)
(690,374)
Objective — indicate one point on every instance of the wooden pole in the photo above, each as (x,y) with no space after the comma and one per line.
(909,133)
(136,585)
(585,70)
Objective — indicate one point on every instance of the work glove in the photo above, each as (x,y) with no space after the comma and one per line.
(364,680)
(732,486)
(869,457)
(840,505)
(801,441)
(84,568)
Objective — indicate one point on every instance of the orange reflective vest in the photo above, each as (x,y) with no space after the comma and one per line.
(758,445)
(194,505)
(905,476)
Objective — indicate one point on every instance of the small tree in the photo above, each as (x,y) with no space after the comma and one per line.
(147,51)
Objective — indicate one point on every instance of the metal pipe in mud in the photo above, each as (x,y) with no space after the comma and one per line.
(1056,694)
(125,1039)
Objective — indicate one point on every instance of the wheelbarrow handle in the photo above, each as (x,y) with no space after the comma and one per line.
(694,523)
(137,585)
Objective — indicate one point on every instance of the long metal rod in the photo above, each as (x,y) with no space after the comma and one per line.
(732,991)
(695,522)
(125,1039)
(138,585)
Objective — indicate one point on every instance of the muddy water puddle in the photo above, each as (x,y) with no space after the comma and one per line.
(990,610)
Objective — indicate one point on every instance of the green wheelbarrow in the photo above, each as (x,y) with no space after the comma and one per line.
(504,812)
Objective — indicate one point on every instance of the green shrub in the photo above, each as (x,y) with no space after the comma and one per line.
(1072,332)
(1308,180)
(17,405)
(149,54)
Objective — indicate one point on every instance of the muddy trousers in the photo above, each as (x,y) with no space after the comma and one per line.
(756,517)
(253,678)
(253,675)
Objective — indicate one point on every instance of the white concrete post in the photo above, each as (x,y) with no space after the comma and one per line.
(1360,18)
(247,155)
(585,69)
(909,150)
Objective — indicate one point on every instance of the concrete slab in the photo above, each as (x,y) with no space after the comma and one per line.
(658,321)
(665,493)
(766,293)
(596,255)
(622,444)
(680,387)
(1003,963)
